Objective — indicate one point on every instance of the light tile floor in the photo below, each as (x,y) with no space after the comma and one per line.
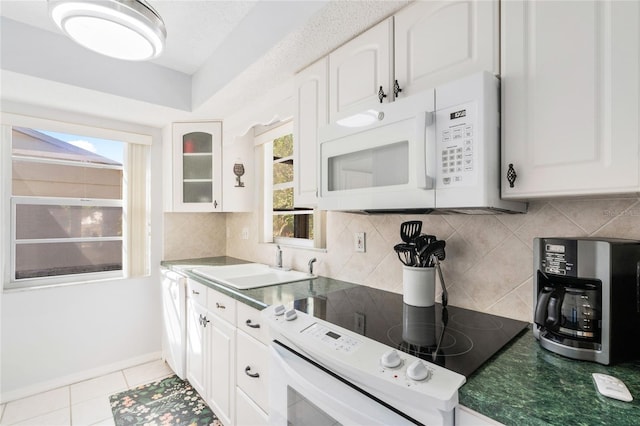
(80,404)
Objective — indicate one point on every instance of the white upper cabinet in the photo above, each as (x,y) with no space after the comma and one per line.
(570,107)
(197,162)
(439,41)
(311,112)
(359,69)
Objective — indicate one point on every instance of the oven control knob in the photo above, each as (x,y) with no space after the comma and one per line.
(290,315)
(279,310)
(390,359)
(418,371)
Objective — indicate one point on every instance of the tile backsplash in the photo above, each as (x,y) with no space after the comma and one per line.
(489,260)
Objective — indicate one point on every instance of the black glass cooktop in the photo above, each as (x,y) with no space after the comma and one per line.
(455,338)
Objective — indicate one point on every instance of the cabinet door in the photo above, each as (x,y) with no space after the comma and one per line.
(197,153)
(310,113)
(570,102)
(222,369)
(247,412)
(197,351)
(253,369)
(438,41)
(358,69)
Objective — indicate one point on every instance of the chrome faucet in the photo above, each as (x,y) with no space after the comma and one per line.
(311,265)
(278,257)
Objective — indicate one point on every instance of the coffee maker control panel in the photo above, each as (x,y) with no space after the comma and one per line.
(559,257)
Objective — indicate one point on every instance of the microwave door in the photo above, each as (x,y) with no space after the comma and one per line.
(385,168)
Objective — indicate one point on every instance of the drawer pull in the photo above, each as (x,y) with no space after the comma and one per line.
(195,292)
(250,324)
(220,306)
(253,375)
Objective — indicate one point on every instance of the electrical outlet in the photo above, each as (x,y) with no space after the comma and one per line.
(245,233)
(360,246)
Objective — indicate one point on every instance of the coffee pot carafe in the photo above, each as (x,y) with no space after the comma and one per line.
(586,294)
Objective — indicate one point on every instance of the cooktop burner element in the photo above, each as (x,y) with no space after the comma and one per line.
(455,338)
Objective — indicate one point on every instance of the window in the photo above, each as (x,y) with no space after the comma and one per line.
(284,222)
(72,208)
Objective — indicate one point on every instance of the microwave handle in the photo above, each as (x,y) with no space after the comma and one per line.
(426,146)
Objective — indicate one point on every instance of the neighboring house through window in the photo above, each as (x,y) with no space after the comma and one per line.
(72,209)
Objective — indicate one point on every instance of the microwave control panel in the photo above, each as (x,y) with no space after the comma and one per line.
(457,145)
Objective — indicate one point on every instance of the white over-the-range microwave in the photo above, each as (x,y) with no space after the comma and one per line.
(435,151)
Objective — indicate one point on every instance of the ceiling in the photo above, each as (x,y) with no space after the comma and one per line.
(219,57)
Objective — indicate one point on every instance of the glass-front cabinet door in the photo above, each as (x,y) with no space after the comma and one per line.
(197,153)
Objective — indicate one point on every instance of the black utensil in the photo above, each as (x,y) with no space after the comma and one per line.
(406,253)
(424,255)
(410,230)
(438,254)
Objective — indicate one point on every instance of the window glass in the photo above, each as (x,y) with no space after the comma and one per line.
(67,204)
(287,221)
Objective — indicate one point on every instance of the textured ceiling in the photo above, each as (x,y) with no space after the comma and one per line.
(207,39)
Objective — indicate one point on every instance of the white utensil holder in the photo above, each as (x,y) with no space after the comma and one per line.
(419,286)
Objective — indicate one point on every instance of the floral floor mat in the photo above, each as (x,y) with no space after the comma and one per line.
(171,401)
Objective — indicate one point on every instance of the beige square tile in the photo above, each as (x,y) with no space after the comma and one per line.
(100,386)
(548,222)
(484,233)
(61,417)
(512,306)
(147,373)
(91,411)
(591,215)
(499,273)
(36,405)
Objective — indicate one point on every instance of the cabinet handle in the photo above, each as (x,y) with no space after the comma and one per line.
(247,372)
(381,94)
(396,89)
(220,306)
(203,321)
(511,175)
(215,204)
(195,292)
(249,324)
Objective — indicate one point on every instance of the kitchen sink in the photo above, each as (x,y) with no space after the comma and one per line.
(250,275)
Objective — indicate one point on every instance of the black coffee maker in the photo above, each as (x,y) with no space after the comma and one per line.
(586,294)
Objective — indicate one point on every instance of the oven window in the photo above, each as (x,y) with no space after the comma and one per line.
(301,411)
(381,166)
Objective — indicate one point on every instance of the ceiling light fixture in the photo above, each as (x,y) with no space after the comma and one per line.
(123,29)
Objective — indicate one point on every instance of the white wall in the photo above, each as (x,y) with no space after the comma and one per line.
(56,336)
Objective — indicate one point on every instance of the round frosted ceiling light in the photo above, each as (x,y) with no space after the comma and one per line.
(123,29)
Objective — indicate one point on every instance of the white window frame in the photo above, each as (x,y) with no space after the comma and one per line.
(268,187)
(136,226)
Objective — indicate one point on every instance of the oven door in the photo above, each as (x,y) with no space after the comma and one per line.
(301,393)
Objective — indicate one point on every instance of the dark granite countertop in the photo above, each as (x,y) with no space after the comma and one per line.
(260,297)
(525,384)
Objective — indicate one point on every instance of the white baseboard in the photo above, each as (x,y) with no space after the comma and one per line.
(77,377)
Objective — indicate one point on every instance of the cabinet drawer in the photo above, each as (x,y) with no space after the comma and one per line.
(247,412)
(252,359)
(197,292)
(222,305)
(250,322)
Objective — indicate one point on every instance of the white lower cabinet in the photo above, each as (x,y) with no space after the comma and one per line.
(227,364)
(247,412)
(467,417)
(211,346)
(252,368)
